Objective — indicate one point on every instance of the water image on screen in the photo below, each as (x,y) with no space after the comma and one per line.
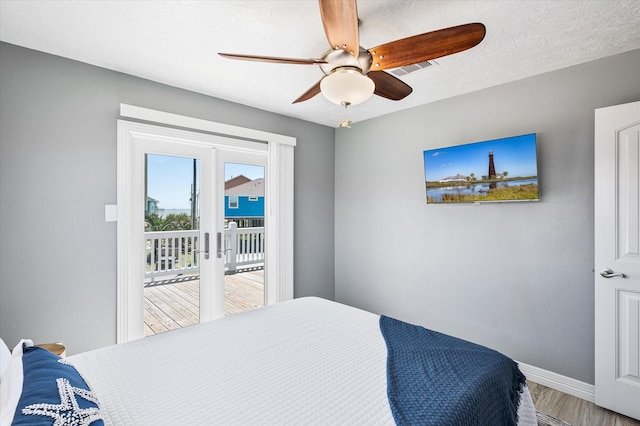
(499,170)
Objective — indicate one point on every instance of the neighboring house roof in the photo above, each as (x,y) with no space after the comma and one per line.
(153,200)
(456,177)
(251,188)
(235,181)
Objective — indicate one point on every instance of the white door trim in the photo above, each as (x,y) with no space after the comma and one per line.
(166,118)
(278,209)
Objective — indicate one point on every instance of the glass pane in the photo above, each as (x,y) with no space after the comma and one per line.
(172,216)
(244,237)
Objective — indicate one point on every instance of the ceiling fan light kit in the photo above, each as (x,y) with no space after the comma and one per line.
(347,86)
(353,74)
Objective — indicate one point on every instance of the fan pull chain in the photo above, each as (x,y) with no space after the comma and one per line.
(346,122)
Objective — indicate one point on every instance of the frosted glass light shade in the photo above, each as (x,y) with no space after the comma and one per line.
(347,86)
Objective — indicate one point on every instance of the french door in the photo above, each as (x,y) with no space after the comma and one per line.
(243,243)
(165,254)
(180,275)
(202,251)
(180,245)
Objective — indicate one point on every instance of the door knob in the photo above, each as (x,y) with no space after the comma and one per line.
(608,273)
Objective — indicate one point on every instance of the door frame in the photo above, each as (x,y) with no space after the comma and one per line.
(278,204)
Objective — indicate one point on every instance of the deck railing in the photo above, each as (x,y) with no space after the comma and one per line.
(176,252)
(243,247)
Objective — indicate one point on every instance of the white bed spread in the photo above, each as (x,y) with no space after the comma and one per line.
(306,361)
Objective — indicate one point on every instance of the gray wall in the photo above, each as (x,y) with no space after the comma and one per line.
(58,170)
(515,276)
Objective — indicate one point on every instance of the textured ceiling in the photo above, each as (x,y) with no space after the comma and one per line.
(176,43)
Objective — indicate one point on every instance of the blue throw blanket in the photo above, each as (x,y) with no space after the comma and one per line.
(436,379)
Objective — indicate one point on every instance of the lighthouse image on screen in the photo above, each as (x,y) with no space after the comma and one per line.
(498,170)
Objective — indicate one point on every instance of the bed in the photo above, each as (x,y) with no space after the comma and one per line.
(305,361)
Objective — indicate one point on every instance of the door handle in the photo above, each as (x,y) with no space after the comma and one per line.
(206,245)
(220,251)
(608,273)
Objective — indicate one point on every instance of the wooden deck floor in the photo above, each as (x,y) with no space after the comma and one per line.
(174,303)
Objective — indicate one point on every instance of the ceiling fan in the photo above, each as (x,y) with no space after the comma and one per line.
(353,74)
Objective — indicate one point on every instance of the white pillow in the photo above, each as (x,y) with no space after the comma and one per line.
(5,356)
(11,385)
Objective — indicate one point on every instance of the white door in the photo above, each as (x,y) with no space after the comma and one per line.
(169,247)
(617,258)
(178,276)
(244,244)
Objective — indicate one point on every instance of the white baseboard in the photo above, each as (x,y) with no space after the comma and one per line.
(558,382)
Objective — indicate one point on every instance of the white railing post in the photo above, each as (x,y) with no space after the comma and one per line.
(233,246)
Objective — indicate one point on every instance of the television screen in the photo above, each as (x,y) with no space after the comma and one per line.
(491,171)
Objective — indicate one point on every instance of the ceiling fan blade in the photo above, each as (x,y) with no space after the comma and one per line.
(427,46)
(340,21)
(275,59)
(389,86)
(313,90)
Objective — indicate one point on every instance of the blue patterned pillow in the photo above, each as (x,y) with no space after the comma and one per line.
(52,392)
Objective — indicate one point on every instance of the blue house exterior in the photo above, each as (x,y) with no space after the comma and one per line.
(245,201)
(243,206)
(152,206)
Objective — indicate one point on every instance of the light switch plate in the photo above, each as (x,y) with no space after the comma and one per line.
(110,213)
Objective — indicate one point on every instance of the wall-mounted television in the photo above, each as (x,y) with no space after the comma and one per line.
(498,170)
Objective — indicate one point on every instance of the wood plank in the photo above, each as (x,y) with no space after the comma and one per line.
(185,296)
(153,318)
(162,319)
(244,291)
(574,410)
(173,306)
(147,330)
(175,303)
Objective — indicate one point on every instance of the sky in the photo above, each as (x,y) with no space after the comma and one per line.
(169,179)
(516,155)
